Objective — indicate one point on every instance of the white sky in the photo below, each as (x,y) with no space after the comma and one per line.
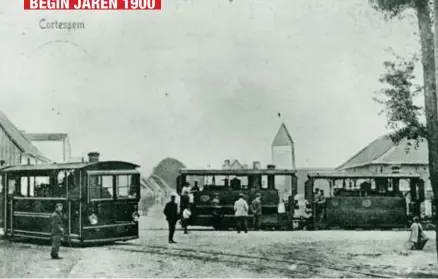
(227,68)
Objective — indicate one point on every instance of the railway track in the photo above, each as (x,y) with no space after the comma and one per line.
(290,268)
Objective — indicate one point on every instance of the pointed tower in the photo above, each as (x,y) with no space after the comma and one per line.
(283,152)
(283,157)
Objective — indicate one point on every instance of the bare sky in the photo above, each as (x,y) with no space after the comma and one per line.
(202,80)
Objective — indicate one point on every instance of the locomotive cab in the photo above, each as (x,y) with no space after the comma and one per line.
(363,200)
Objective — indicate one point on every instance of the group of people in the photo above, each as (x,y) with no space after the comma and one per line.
(241,212)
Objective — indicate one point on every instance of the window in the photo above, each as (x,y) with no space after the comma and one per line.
(101,187)
(41,186)
(126,186)
(264,182)
(13,187)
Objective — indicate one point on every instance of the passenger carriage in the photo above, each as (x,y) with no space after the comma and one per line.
(226,185)
(367,201)
(100,200)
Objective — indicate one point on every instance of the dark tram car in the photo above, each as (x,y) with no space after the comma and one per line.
(213,193)
(363,200)
(100,200)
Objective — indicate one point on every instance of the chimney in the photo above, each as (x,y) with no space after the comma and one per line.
(395,169)
(256,165)
(93,157)
(226,165)
(2,163)
(270,167)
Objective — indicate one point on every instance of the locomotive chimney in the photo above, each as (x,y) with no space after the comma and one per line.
(93,157)
(256,165)
(270,167)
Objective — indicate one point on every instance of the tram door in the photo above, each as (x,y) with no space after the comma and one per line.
(74,212)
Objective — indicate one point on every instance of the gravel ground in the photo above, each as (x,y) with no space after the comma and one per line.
(207,253)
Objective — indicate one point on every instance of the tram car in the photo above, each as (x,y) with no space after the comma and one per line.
(366,201)
(100,200)
(213,193)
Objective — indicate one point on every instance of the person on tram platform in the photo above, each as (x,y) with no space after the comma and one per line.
(186,188)
(417,237)
(195,187)
(321,205)
(184,201)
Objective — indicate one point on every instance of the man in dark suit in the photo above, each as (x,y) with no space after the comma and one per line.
(57,230)
(171,213)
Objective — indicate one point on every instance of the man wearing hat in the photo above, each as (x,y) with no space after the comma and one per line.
(241,213)
(216,211)
(171,213)
(57,230)
(256,208)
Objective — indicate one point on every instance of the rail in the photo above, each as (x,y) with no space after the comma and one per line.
(194,254)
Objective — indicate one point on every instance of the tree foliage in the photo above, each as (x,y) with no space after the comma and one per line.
(393,8)
(398,99)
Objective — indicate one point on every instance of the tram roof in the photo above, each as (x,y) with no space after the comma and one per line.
(237,171)
(65,166)
(361,175)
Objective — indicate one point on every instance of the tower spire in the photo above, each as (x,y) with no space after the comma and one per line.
(280,117)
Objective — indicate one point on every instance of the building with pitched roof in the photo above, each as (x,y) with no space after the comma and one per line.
(384,156)
(55,145)
(15,148)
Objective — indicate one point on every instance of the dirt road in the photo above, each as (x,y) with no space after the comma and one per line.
(211,253)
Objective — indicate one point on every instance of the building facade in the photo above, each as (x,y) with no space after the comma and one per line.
(15,148)
(54,145)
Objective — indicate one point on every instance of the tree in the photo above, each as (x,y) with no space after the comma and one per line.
(422,8)
(404,117)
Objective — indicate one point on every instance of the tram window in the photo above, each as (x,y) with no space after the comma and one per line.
(42,186)
(264,182)
(220,180)
(23,186)
(126,186)
(101,187)
(283,182)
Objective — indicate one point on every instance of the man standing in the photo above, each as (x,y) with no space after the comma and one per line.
(57,230)
(187,213)
(321,205)
(241,213)
(171,213)
(216,211)
(417,237)
(256,207)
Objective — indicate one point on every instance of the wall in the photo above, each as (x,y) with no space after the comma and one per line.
(51,149)
(282,158)
(9,152)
